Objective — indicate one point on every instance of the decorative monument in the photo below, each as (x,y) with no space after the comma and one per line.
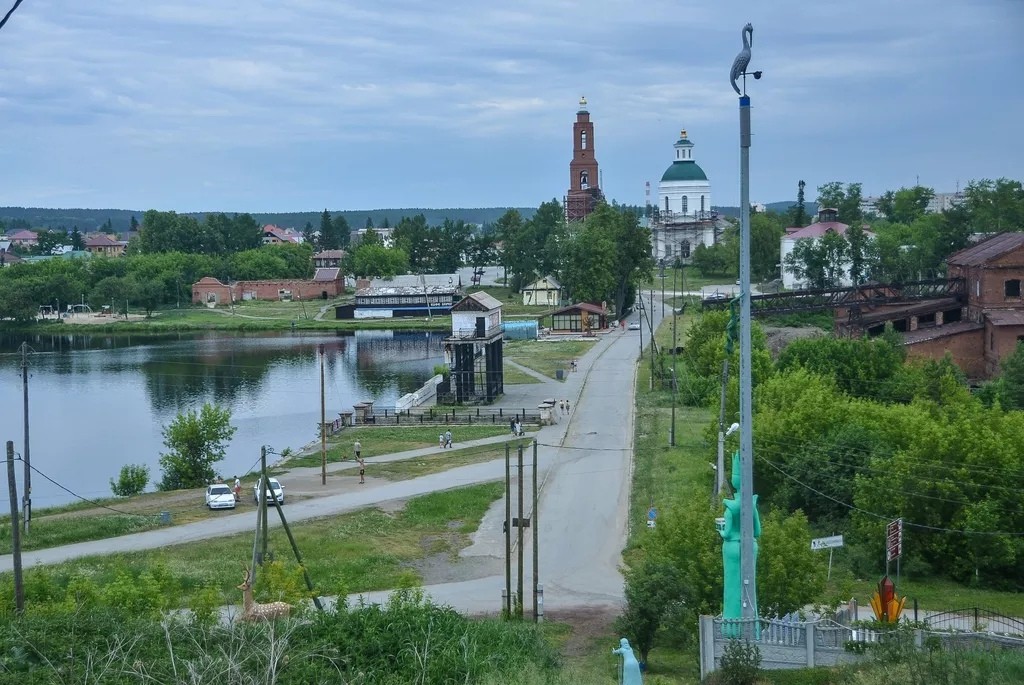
(740,584)
(734,598)
(629,671)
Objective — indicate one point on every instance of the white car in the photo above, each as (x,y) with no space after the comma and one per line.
(219,496)
(275,491)
(633,326)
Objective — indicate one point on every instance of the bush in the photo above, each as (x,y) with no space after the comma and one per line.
(741,664)
(132,480)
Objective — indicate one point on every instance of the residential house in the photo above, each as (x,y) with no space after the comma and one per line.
(328,259)
(103,244)
(544,292)
(828,222)
(23,238)
(275,235)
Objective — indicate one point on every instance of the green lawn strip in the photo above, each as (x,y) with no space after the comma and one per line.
(376,441)
(547,356)
(442,461)
(694,280)
(362,551)
(515,376)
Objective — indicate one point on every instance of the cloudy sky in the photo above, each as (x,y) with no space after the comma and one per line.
(280,105)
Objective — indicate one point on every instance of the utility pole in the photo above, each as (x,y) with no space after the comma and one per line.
(675,348)
(12,488)
(519,582)
(508,532)
(536,531)
(27,497)
(720,464)
(264,485)
(747,561)
(323,423)
(650,322)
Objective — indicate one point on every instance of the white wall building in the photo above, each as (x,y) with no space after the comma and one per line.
(827,222)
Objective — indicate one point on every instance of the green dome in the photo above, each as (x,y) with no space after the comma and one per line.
(684,170)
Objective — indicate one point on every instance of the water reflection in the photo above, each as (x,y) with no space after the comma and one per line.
(100,401)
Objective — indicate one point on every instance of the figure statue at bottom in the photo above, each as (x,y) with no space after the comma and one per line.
(630,666)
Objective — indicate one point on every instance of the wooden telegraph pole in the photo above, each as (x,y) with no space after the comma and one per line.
(536,532)
(27,497)
(12,488)
(519,526)
(508,532)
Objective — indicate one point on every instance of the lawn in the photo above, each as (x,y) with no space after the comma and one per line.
(442,460)
(515,376)
(391,439)
(548,355)
(360,551)
(511,303)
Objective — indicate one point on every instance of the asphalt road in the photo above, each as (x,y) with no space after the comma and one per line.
(585,471)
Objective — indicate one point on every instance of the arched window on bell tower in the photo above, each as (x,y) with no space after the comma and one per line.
(685,207)
(666,205)
(583,140)
(701,204)
(684,249)
(584,180)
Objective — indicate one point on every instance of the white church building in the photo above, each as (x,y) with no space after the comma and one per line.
(682,218)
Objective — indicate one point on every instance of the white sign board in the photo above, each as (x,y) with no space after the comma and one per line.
(827,543)
(894,540)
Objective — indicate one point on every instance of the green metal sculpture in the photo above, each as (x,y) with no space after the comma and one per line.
(733,594)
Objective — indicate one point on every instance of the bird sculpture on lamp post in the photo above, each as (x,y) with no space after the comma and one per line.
(739,65)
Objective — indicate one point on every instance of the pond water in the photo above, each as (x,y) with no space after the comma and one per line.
(97,402)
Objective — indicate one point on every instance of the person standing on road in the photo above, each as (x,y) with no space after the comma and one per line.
(567,406)
(362,470)
(448,438)
(358,448)
(238,490)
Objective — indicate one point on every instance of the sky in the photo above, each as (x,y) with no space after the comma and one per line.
(298,105)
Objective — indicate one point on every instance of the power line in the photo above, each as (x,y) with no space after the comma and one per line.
(9,13)
(884,517)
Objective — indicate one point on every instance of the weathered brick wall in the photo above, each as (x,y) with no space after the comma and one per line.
(263,290)
(962,347)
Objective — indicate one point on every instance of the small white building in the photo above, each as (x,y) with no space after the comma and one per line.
(828,222)
(544,292)
(474,349)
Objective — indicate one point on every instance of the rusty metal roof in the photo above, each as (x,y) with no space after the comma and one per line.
(477,301)
(987,250)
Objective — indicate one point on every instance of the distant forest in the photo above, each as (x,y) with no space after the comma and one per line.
(120,219)
(778,207)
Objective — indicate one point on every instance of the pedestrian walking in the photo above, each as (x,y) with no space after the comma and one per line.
(358,448)
(440,440)
(362,470)
(561,406)
(567,406)
(519,429)
(448,438)
(512,425)
(238,490)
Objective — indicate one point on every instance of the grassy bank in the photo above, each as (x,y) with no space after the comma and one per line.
(546,356)
(376,441)
(370,549)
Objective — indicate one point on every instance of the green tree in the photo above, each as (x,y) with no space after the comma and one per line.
(132,480)
(377,261)
(713,261)
(906,205)
(328,238)
(820,262)
(798,212)
(452,238)
(369,222)
(342,231)
(508,229)
(846,201)
(148,293)
(411,235)
(195,442)
(654,596)
(766,231)
(77,242)
(861,253)
(308,235)
(995,205)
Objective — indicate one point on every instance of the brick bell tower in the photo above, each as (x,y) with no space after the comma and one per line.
(584,182)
